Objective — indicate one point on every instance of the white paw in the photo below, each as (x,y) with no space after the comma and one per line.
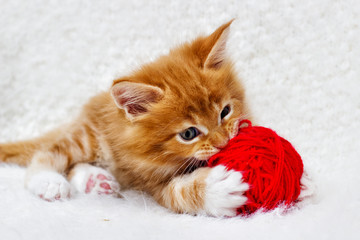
(94,180)
(308,187)
(224,192)
(49,186)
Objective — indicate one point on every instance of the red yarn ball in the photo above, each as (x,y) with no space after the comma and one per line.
(269,164)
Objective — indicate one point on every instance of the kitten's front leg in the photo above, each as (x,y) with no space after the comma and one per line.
(43,176)
(213,191)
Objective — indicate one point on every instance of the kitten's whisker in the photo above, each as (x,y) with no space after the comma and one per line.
(194,162)
(190,164)
(175,173)
(187,162)
(155,158)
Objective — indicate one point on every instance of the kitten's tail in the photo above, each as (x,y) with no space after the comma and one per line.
(19,153)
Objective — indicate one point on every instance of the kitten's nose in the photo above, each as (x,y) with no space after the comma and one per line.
(219,139)
(222,144)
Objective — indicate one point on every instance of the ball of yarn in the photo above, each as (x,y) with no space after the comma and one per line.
(269,164)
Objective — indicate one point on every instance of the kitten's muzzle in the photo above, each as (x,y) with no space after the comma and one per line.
(219,139)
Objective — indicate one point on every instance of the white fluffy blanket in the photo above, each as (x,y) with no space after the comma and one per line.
(300,62)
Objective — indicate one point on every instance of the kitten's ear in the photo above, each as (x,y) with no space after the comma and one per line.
(135,98)
(212,50)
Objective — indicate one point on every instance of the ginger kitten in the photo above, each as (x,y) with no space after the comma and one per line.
(153,131)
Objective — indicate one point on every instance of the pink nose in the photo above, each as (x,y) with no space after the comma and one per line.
(222,144)
(219,138)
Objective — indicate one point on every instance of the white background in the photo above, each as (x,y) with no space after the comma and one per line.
(299,61)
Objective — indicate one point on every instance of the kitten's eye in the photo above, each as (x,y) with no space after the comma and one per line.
(189,133)
(225,111)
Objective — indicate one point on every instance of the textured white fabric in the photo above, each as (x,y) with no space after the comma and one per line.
(299,60)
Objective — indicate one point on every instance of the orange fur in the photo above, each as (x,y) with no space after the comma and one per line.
(132,131)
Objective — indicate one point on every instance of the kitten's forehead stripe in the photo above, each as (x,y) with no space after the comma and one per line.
(215,98)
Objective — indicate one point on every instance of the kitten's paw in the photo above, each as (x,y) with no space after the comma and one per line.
(102,183)
(307,187)
(94,180)
(49,186)
(224,192)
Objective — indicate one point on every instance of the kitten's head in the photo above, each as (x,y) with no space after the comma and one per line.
(185,105)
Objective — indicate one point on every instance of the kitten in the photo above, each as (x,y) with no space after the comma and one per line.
(153,132)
